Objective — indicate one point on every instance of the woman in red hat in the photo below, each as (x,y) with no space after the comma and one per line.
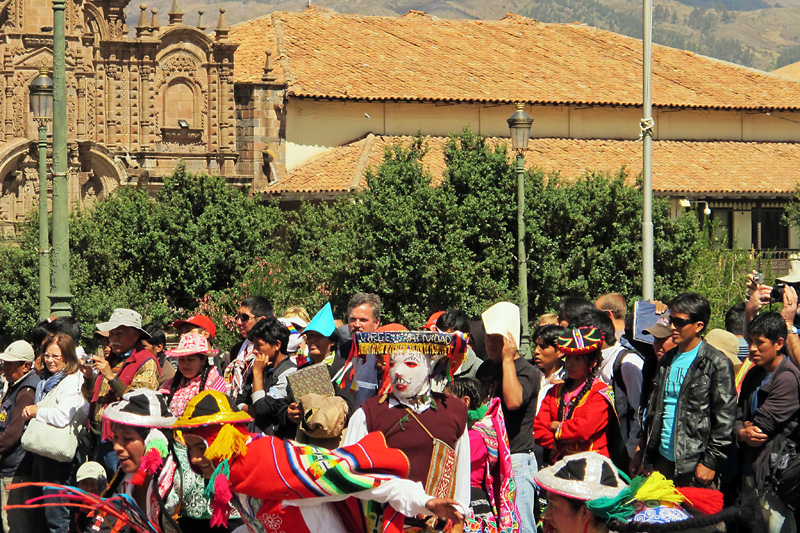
(574,416)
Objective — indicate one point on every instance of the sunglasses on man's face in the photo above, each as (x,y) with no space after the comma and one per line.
(680,322)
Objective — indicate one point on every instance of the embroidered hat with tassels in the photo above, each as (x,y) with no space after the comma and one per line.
(580,341)
(148,409)
(609,494)
(383,344)
(210,416)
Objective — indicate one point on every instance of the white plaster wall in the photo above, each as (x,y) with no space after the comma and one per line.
(604,123)
(698,125)
(776,126)
(314,127)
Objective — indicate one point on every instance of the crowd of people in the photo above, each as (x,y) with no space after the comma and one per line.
(310,424)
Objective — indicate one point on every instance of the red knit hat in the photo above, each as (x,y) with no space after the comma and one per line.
(201,321)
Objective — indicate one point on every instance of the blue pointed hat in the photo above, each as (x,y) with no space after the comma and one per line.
(322,322)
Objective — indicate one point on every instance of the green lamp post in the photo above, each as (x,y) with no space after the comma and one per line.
(42,110)
(520,125)
(60,297)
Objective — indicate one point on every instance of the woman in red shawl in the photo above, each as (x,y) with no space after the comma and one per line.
(574,416)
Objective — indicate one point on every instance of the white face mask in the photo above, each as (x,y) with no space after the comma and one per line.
(409,372)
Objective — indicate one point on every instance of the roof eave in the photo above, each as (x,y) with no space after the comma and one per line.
(398,99)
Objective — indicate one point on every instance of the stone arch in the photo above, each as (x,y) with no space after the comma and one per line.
(103,173)
(186,38)
(19,183)
(95,23)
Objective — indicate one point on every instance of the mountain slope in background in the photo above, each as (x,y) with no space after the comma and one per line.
(763,34)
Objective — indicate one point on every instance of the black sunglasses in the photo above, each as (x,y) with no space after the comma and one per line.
(244,317)
(680,322)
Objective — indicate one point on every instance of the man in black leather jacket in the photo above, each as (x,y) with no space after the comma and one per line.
(692,410)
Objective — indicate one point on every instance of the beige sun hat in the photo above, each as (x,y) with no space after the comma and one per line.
(123,317)
(726,342)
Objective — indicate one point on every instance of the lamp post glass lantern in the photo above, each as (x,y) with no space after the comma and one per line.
(520,125)
(42,110)
(42,96)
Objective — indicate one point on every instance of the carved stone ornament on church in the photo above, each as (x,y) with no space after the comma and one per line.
(179,62)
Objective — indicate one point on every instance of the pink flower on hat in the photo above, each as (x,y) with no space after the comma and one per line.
(190,344)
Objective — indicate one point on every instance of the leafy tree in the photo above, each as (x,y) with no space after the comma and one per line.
(393,238)
(19,282)
(158,256)
(586,239)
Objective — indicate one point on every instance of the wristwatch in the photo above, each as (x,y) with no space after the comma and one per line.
(792,330)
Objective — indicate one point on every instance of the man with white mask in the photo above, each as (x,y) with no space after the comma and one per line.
(429,427)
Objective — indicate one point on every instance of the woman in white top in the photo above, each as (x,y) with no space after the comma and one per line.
(58,401)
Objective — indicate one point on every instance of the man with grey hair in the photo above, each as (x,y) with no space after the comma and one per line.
(363,315)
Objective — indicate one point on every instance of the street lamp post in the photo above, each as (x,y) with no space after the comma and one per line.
(60,297)
(647,125)
(520,125)
(42,110)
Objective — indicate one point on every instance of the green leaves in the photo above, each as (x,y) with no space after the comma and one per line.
(202,245)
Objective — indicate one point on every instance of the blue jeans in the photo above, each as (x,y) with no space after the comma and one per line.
(52,471)
(524,465)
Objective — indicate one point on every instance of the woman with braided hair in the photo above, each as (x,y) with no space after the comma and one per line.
(146,470)
(574,416)
(492,487)
(195,374)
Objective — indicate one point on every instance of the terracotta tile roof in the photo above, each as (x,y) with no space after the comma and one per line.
(716,168)
(419,57)
(791,71)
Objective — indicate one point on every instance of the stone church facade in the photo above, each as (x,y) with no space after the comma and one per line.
(137,102)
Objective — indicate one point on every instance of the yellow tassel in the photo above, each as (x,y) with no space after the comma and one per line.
(228,443)
(657,487)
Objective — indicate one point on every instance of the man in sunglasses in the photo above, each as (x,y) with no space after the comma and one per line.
(251,310)
(692,410)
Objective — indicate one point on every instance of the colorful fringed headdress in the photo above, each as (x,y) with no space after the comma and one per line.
(148,409)
(210,416)
(580,341)
(383,344)
(610,494)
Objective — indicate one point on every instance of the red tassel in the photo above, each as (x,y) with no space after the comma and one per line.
(220,502)
(151,461)
(138,477)
(706,501)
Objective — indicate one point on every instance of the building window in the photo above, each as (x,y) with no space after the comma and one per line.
(769,232)
(723,227)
